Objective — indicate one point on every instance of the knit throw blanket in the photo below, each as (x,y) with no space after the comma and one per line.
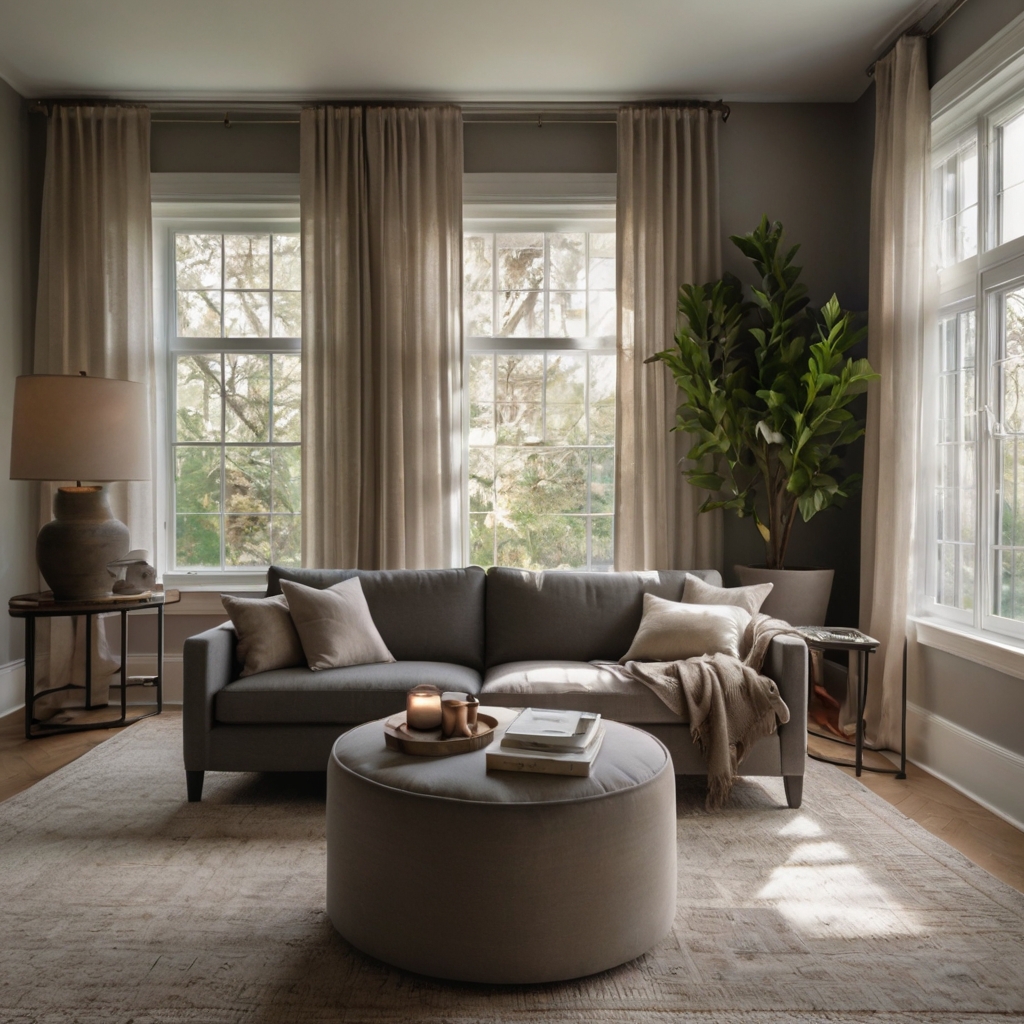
(726,700)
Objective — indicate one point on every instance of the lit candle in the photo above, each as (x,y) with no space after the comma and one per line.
(423,707)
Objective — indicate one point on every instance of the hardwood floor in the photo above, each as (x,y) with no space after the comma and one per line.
(24,762)
(984,838)
(977,833)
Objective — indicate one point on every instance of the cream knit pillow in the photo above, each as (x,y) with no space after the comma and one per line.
(335,625)
(696,591)
(266,634)
(673,630)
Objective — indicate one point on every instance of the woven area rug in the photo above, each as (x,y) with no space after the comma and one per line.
(122,903)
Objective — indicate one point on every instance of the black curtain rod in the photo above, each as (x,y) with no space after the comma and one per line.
(525,117)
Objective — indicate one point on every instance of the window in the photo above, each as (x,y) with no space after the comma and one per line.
(956,463)
(1010,189)
(974,419)
(956,192)
(234,329)
(540,378)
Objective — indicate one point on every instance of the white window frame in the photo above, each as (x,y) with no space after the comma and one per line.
(219,203)
(495,203)
(976,98)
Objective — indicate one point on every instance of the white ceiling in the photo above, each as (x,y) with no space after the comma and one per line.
(483,50)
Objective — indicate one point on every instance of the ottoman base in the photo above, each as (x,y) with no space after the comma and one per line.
(503,892)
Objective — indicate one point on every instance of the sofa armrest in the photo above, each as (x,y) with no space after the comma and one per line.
(786,663)
(208,666)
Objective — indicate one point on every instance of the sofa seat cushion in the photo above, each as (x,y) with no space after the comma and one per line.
(342,696)
(574,686)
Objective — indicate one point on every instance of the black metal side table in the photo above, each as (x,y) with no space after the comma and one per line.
(854,642)
(31,607)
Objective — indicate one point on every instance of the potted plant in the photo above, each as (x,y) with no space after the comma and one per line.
(766,386)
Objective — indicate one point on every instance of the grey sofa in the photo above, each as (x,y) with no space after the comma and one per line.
(512,637)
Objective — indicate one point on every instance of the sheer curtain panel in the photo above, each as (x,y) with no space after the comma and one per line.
(382,333)
(95,305)
(668,233)
(899,282)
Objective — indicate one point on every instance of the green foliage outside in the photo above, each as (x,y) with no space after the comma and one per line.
(258,468)
(542,427)
(766,387)
(541,460)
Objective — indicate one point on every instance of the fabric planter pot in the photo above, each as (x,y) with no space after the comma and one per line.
(799,596)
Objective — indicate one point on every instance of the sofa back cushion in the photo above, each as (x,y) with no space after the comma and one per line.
(572,616)
(421,614)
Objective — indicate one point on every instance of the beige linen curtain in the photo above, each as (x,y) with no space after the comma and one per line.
(667,234)
(899,282)
(95,308)
(382,332)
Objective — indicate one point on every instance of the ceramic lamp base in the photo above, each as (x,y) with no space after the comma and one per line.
(74,549)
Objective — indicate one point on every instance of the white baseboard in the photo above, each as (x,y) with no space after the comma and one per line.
(12,681)
(987,773)
(145,665)
(12,686)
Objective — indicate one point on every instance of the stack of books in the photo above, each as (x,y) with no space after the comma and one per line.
(549,742)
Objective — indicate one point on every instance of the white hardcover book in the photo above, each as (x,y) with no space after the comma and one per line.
(575,762)
(551,729)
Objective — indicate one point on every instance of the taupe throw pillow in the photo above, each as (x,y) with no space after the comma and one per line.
(266,634)
(673,630)
(696,591)
(335,625)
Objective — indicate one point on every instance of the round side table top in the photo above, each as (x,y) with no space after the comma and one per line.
(629,757)
(43,603)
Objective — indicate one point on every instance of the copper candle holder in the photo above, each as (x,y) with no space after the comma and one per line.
(458,714)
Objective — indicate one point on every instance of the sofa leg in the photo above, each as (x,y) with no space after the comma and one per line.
(194,784)
(794,789)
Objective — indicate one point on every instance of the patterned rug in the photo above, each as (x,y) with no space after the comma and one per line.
(121,903)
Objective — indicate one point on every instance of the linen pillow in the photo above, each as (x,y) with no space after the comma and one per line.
(673,630)
(696,591)
(335,625)
(266,634)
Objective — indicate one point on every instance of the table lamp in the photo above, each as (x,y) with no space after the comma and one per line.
(79,428)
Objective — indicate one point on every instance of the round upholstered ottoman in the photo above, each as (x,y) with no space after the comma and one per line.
(440,867)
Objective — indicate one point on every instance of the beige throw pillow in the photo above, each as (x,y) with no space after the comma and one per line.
(266,634)
(696,591)
(335,625)
(672,631)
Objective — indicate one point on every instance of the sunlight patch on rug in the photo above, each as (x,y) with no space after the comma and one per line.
(823,892)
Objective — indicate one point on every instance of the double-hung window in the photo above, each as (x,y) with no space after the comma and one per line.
(539,316)
(231,301)
(973,532)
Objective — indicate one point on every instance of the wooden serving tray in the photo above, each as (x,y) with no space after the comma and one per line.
(430,742)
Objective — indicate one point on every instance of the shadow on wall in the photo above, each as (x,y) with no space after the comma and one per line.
(808,165)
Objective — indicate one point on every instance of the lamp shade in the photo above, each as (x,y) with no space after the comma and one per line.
(79,428)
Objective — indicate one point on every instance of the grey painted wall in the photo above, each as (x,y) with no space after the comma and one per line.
(17,247)
(808,165)
(970,28)
(553,148)
(263,148)
(979,699)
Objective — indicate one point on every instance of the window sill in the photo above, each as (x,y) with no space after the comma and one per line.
(213,581)
(1001,654)
(200,591)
